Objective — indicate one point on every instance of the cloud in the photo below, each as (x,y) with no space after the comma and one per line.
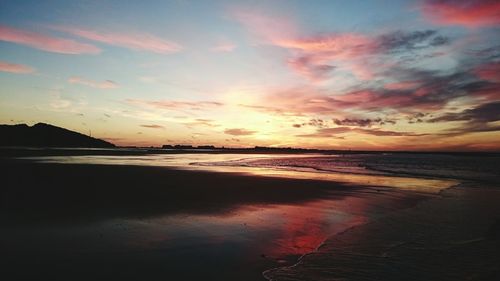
(224,47)
(15,68)
(201,122)
(489,53)
(489,71)
(428,91)
(361,122)
(488,112)
(332,132)
(45,42)
(107,84)
(402,85)
(239,132)
(152,126)
(269,28)
(355,52)
(400,41)
(271,109)
(173,104)
(314,72)
(315,57)
(134,41)
(478,119)
(468,13)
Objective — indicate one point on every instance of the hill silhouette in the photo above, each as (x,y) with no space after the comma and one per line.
(46,135)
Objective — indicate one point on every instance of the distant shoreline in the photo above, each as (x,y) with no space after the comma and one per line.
(14,151)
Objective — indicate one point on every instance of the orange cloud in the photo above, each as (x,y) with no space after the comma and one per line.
(239,132)
(134,41)
(15,68)
(466,13)
(108,84)
(45,42)
(201,122)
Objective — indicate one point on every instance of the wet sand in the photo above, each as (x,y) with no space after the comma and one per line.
(87,222)
(455,236)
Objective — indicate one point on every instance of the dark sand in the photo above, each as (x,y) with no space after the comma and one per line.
(63,222)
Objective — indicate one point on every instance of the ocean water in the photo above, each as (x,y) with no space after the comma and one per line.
(483,168)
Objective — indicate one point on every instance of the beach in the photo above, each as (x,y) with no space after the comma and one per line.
(137,222)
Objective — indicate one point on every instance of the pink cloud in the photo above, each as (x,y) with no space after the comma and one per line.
(45,42)
(318,52)
(489,71)
(466,13)
(305,101)
(134,41)
(403,85)
(312,56)
(305,66)
(341,45)
(15,68)
(107,84)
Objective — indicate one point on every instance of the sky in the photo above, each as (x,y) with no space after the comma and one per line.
(371,75)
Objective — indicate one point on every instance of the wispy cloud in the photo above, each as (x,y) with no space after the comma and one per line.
(488,112)
(489,71)
(267,28)
(333,132)
(239,132)
(466,13)
(318,57)
(201,122)
(15,68)
(153,126)
(107,84)
(130,40)
(174,104)
(46,42)
(224,46)
(482,118)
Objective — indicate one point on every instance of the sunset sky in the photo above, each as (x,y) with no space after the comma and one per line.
(399,75)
